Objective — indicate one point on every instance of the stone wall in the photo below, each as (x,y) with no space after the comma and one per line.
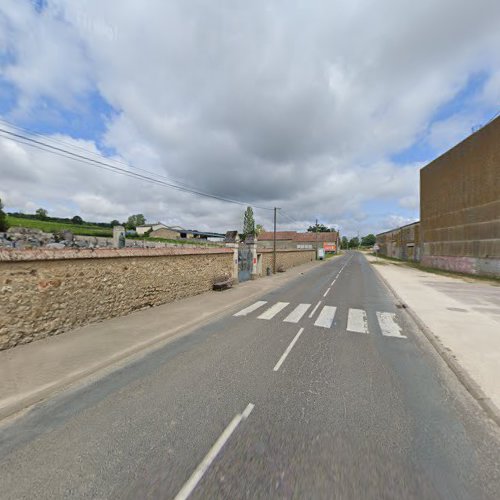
(47,292)
(285,258)
(460,205)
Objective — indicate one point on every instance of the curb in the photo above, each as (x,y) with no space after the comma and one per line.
(462,375)
(107,366)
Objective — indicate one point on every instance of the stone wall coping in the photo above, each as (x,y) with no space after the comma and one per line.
(40,254)
(282,250)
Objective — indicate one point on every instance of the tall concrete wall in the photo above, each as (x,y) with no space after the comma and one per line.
(46,292)
(460,206)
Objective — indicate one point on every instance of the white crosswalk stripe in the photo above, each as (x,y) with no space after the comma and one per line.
(251,308)
(388,325)
(356,321)
(297,313)
(325,318)
(273,310)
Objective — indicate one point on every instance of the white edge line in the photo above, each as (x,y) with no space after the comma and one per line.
(311,314)
(195,477)
(326,293)
(288,349)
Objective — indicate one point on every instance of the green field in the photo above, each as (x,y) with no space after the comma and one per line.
(191,242)
(55,227)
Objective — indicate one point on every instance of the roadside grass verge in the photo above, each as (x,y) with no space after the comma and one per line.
(55,227)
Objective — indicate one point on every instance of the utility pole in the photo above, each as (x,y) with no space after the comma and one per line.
(274,242)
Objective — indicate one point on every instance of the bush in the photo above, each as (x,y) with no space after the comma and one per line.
(3,219)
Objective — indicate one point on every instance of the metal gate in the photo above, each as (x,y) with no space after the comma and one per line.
(245,262)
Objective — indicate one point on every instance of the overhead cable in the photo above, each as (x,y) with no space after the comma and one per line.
(105,165)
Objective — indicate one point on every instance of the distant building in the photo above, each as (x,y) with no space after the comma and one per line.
(401,243)
(302,241)
(160,230)
(143,229)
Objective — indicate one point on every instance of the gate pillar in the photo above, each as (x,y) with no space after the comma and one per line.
(252,244)
(232,241)
(234,273)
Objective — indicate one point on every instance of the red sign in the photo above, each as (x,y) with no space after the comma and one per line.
(329,247)
(255,260)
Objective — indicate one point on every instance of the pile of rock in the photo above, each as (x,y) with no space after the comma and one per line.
(23,237)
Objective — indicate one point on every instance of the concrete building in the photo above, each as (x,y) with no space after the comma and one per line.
(401,243)
(141,230)
(160,230)
(460,205)
(165,232)
(180,233)
(459,227)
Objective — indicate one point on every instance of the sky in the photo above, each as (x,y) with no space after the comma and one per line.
(324,108)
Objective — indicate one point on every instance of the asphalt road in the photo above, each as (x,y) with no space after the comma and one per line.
(249,407)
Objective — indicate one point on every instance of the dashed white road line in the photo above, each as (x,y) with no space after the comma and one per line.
(273,310)
(356,321)
(251,308)
(338,274)
(325,318)
(388,325)
(297,313)
(288,349)
(192,482)
(311,314)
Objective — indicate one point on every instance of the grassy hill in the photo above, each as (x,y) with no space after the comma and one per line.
(54,227)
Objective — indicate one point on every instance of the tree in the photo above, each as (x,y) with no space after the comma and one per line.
(354,242)
(369,240)
(320,228)
(259,229)
(3,218)
(135,220)
(41,213)
(77,220)
(114,223)
(345,243)
(248,223)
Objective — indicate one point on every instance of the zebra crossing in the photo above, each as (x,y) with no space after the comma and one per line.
(357,320)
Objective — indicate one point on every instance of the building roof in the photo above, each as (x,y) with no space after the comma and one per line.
(204,233)
(398,228)
(280,235)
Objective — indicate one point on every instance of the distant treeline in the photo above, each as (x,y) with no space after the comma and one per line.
(57,219)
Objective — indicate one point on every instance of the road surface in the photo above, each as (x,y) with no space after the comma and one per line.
(322,388)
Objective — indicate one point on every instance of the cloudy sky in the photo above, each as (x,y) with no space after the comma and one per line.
(326,108)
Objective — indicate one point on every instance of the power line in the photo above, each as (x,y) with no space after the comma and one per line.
(93,153)
(288,217)
(44,146)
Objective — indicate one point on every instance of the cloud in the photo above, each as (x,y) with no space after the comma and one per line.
(297,104)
